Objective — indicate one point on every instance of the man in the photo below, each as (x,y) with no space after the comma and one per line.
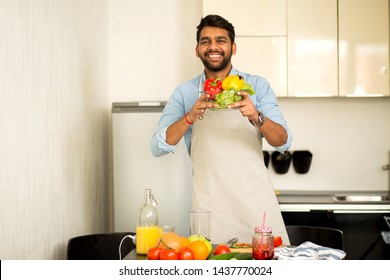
(229,175)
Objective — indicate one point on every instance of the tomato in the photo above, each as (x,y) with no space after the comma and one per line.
(277,241)
(186,254)
(221,249)
(168,254)
(153,253)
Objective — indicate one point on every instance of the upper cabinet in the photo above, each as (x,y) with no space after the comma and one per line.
(265,56)
(364,47)
(261,30)
(312,48)
(251,17)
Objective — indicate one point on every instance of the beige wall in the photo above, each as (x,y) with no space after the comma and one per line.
(54,125)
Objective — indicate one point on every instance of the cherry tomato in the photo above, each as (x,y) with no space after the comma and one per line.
(168,254)
(221,249)
(277,241)
(186,253)
(153,253)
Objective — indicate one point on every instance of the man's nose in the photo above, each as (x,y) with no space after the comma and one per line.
(212,46)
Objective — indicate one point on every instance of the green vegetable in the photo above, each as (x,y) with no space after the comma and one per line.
(230,96)
(227,97)
(226,256)
(244,256)
(232,256)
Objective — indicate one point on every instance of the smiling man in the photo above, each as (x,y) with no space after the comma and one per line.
(225,146)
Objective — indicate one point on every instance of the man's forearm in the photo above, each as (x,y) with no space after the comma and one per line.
(274,133)
(176,131)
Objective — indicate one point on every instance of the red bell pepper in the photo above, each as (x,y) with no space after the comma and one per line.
(213,87)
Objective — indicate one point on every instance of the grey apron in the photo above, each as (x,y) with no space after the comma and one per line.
(230,178)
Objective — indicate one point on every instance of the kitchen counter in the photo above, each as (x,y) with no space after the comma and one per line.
(306,201)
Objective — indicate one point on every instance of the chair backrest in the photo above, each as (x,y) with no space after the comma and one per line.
(102,246)
(323,236)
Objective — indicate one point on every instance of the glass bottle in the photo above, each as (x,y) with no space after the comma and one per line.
(147,230)
(263,243)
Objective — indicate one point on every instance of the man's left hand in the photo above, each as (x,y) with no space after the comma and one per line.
(246,106)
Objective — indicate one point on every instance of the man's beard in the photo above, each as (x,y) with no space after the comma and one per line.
(216,67)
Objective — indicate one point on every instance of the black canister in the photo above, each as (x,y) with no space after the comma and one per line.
(266,158)
(281,162)
(302,161)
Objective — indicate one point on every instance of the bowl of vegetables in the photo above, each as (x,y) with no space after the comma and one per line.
(225,92)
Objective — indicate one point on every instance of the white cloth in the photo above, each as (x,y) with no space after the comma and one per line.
(308,251)
(230,178)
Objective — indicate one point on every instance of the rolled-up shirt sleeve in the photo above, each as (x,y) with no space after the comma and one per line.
(181,101)
(159,145)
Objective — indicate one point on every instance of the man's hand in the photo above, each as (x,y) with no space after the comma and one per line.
(246,106)
(274,133)
(176,130)
(199,108)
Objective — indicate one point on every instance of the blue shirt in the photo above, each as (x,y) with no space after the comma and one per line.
(185,96)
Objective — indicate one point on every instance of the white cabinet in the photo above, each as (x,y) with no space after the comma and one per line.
(312,48)
(251,17)
(266,57)
(364,47)
(260,27)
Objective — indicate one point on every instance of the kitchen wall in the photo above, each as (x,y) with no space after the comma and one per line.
(349,139)
(54,125)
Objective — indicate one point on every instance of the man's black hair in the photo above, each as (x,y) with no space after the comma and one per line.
(215,21)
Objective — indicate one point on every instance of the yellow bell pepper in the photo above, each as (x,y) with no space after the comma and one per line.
(233,82)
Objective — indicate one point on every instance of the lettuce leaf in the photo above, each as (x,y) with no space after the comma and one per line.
(230,96)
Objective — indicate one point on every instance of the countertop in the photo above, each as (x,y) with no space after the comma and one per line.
(327,200)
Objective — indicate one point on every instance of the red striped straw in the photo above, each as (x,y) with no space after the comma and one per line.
(264,217)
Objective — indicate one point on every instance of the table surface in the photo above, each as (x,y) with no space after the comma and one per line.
(134,256)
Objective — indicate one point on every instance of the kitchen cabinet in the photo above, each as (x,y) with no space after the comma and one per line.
(364,47)
(362,220)
(312,48)
(260,27)
(251,17)
(264,51)
(362,231)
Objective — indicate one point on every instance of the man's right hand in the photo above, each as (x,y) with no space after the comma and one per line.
(177,130)
(200,107)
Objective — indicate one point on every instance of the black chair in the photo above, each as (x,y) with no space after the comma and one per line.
(102,246)
(323,236)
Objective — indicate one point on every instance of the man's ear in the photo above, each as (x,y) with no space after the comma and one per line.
(234,48)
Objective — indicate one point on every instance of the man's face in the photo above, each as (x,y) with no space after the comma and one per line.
(215,48)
